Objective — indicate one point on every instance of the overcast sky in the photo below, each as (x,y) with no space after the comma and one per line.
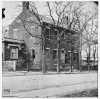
(11,10)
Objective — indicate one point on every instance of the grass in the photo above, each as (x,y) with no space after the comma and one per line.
(85,93)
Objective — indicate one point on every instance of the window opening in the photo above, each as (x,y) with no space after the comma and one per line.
(33,54)
(55,54)
(14,53)
(47,53)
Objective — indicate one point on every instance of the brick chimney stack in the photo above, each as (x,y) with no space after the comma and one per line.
(25,5)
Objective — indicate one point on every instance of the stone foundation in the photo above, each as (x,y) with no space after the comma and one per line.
(9,66)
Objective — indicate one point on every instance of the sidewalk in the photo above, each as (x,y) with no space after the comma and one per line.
(25,73)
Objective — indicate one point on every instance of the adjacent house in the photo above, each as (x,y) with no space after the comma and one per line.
(24,50)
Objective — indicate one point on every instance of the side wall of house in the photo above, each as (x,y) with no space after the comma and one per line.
(22,33)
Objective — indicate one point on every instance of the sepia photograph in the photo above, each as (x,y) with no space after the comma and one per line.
(50,49)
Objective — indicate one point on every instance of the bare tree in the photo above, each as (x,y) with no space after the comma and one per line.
(70,16)
(90,37)
(67,17)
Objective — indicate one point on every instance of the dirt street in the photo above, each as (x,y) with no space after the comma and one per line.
(29,83)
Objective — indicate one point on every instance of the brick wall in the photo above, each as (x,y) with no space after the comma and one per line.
(22,34)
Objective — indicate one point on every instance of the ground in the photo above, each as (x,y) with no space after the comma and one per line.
(84,93)
(23,84)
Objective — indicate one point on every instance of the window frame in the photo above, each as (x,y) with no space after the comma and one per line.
(53,54)
(48,29)
(48,58)
(31,37)
(15,53)
(33,53)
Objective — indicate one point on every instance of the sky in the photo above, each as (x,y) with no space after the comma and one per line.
(12,9)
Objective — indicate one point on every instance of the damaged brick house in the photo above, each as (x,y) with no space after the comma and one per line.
(25,50)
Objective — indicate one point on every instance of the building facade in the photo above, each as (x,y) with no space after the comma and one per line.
(24,44)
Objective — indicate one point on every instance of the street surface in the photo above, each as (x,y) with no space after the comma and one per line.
(38,85)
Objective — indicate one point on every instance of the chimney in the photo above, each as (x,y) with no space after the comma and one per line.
(25,5)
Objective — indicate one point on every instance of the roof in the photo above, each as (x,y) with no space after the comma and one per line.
(49,20)
(12,40)
(44,19)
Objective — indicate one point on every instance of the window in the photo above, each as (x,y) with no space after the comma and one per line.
(47,53)
(75,57)
(68,39)
(14,53)
(62,57)
(55,32)
(15,33)
(33,29)
(67,57)
(63,36)
(33,54)
(55,54)
(47,34)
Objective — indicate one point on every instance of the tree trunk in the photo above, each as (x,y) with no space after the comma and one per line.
(43,52)
(43,61)
(79,60)
(58,57)
(80,57)
(93,59)
(89,60)
(71,55)
(70,61)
